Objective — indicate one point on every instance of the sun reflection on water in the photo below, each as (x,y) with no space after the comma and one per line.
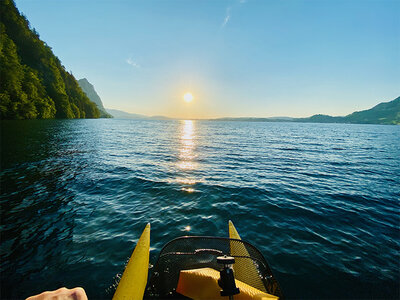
(186,181)
(186,151)
(187,156)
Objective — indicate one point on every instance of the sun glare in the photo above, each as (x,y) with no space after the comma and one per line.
(188,97)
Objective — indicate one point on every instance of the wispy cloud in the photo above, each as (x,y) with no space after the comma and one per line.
(131,62)
(228,14)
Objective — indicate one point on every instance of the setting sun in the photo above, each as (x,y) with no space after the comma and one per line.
(188,97)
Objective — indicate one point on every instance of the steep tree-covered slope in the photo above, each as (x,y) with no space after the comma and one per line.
(33,82)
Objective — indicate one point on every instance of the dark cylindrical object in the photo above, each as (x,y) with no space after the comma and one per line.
(227,278)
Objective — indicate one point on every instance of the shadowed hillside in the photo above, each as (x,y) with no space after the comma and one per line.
(89,90)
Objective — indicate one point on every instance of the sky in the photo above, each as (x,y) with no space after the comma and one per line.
(239,58)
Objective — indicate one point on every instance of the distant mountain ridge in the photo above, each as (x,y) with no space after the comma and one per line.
(89,90)
(384,113)
(119,114)
(254,119)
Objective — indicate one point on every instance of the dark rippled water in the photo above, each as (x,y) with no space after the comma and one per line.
(321,201)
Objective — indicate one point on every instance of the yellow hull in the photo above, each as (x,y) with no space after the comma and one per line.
(243,267)
(133,281)
(195,283)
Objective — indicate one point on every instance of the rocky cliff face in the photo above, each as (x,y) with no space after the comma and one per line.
(89,90)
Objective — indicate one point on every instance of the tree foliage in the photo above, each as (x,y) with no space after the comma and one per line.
(33,82)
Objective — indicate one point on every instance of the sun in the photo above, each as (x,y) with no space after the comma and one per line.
(188,97)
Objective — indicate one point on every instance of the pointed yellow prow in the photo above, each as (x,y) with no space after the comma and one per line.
(233,234)
(243,267)
(133,281)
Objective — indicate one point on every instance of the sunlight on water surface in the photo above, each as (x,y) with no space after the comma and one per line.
(188,143)
(320,201)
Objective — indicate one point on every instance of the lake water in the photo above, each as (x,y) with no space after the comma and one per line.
(320,201)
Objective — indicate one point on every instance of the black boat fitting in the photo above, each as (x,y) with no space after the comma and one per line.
(227,278)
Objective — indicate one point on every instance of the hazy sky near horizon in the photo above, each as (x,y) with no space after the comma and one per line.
(238,58)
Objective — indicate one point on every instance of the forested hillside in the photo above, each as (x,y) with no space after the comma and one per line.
(383,113)
(33,82)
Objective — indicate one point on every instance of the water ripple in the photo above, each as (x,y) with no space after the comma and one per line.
(320,201)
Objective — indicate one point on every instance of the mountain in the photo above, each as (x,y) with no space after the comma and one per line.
(34,84)
(89,90)
(319,118)
(119,114)
(160,118)
(254,119)
(383,113)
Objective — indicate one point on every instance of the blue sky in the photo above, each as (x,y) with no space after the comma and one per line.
(238,58)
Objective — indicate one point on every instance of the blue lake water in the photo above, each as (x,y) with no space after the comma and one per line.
(320,201)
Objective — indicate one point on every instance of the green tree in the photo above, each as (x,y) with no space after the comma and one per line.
(33,82)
